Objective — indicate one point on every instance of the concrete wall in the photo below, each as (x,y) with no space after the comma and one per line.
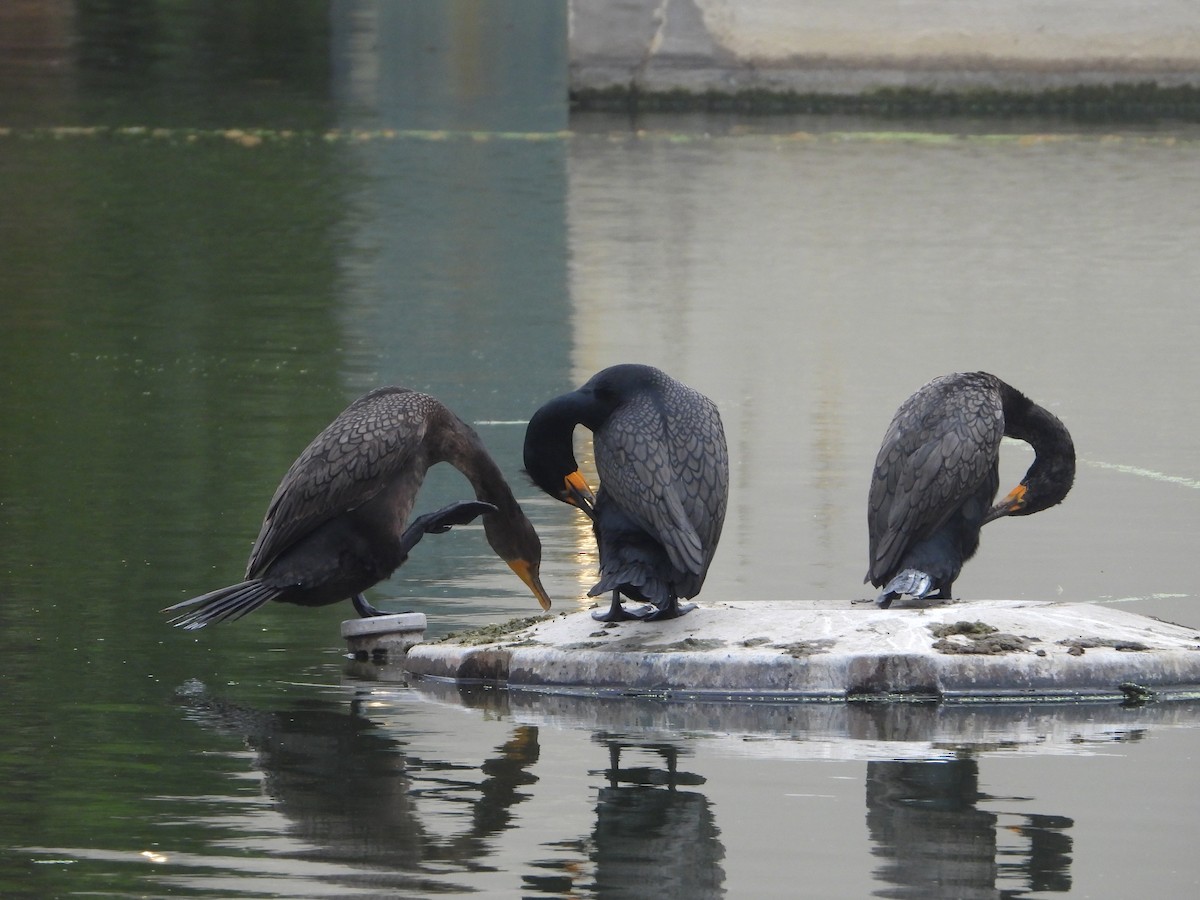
(854,46)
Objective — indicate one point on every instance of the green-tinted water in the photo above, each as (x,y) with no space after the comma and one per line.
(222,222)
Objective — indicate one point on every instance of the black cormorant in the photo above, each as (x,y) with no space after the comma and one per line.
(337,523)
(664,482)
(937,473)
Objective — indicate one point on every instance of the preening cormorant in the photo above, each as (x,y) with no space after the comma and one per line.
(664,482)
(337,523)
(937,473)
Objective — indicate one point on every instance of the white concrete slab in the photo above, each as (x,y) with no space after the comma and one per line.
(384,636)
(978,651)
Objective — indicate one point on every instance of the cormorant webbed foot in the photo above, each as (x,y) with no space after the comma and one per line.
(462,513)
(672,610)
(440,521)
(619,613)
(436,522)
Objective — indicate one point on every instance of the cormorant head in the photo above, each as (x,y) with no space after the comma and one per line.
(515,541)
(549,456)
(1052,473)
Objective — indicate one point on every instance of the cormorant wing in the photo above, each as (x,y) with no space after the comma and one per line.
(349,462)
(941,444)
(702,464)
(638,457)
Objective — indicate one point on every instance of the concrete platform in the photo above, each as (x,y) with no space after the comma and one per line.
(384,637)
(982,651)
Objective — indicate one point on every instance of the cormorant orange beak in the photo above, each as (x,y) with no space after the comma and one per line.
(1016,499)
(577,492)
(1012,504)
(528,574)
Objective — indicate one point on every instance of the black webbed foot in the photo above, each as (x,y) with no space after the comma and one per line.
(436,522)
(619,613)
(439,522)
(462,513)
(623,614)
(672,610)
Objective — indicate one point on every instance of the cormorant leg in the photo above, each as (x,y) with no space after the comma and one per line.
(617,612)
(672,610)
(436,522)
(439,521)
(884,600)
(365,609)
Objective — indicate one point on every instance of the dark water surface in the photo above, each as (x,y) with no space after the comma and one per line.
(222,222)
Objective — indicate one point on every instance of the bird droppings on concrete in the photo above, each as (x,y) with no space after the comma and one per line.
(801,649)
(686,645)
(992,644)
(1091,643)
(978,638)
(969,629)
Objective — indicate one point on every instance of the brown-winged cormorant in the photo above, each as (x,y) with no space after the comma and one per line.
(664,482)
(336,525)
(937,474)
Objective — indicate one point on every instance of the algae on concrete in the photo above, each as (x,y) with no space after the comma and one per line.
(491,634)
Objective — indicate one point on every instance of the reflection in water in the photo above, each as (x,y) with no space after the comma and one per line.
(926,817)
(352,794)
(648,832)
(936,842)
(142,62)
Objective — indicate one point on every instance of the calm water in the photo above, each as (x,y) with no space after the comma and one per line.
(283,209)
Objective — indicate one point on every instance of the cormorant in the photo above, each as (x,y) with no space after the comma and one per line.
(664,482)
(937,474)
(336,525)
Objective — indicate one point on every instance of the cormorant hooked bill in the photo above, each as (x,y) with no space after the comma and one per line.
(336,525)
(937,474)
(664,482)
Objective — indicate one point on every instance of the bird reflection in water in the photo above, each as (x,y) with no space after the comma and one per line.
(650,833)
(351,793)
(924,820)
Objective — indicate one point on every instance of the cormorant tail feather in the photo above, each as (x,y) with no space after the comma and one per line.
(223,604)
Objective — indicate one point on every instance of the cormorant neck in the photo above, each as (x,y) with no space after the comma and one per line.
(549,452)
(462,447)
(508,530)
(1052,473)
